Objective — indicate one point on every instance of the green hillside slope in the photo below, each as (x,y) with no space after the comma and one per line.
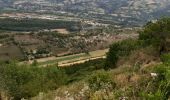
(133,70)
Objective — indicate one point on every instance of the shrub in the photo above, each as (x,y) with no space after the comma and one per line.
(25,81)
(119,49)
(21,81)
(77,72)
(165,58)
(101,80)
(160,86)
(156,34)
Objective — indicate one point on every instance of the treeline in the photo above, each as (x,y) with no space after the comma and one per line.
(10,24)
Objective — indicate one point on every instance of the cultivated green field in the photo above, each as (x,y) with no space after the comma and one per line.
(71,59)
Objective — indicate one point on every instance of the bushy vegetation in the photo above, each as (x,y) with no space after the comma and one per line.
(21,81)
(159,87)
(25,81)
(165,58)
(80,71)
(101,80)
(101,85)
(119,49)
(155,35)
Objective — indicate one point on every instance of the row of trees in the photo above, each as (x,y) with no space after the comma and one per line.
(36,24)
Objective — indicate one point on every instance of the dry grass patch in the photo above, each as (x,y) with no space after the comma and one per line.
(141,57)
(10,52)
(135,78)
(121,80)
(62,31)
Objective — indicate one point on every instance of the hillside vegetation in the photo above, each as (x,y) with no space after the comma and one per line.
(134,69)
(9,24)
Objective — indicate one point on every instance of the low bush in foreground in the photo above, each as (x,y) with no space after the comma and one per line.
(25,81)
(21,81)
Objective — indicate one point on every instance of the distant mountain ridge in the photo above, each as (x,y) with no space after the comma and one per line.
(120,10)
(106,6)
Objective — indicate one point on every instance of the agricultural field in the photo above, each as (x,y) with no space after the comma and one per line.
(71,59)
(45,39)
(10,52)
